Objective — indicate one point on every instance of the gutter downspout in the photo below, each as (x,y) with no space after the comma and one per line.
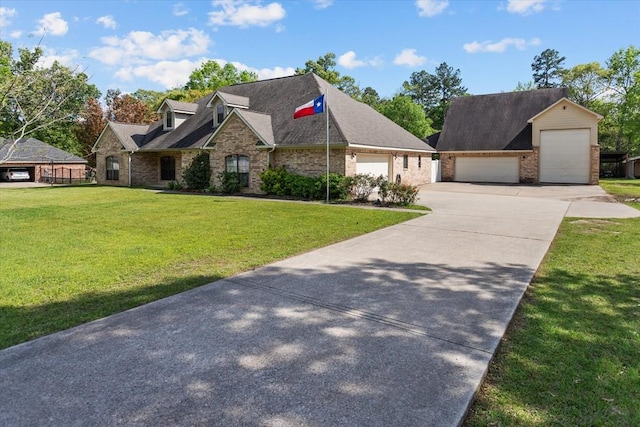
(269,157)
(129,166)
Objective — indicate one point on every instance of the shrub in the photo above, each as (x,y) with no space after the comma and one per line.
(361,186)
(229,182)
(174,186)
(198,174)
(281,183)
(274,181)
(397,194)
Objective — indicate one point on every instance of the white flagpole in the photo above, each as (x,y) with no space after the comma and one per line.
(326,112)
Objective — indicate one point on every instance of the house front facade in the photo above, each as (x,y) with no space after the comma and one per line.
(530,137)
(247,128)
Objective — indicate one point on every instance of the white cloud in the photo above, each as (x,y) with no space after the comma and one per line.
(409,58)
(431,7)
(241,13)
(5,15)
(141,46)
(68,58)
(15,34)
(525,7)
(169,74)
(107,21)
(180,9)
(52,24)
(348,60)
(501,46)
(323,4)
(272,73)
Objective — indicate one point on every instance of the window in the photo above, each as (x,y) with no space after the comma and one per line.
(219,113)
(113,168)
(167,168)
(240,165)
(405,161)
(419,162)
(168,119)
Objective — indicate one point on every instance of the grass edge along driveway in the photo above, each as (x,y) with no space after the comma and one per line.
(75,254)
(570,355)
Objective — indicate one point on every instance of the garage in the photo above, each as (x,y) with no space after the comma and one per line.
(487,169)
(372,164)
(565,156)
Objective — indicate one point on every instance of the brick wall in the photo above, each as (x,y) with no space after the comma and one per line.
(594,177)
(310,161)
(447,167)
(418,171)
(236,138)
(111,146)
(529,164)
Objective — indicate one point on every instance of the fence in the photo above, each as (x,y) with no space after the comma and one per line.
(64,175)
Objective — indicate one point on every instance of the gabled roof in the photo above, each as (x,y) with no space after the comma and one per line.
(179,106)
(495,122)
(568,101)
(350,122)
(131,136)
(259,123)
(231,100)
(32,150)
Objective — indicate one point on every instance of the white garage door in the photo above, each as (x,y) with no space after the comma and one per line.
(565,156)
(373,164)
(487,169)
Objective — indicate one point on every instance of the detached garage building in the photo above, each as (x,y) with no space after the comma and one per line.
(536,136)
(44,162)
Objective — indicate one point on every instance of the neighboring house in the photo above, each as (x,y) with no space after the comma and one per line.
(44,162)
(536,136)
(632,167)
(249,127)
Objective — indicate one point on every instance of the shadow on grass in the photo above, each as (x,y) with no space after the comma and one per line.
(570,357)
(379,343)
(19,324)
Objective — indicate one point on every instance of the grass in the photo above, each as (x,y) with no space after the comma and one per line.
(75,254)
(571,356)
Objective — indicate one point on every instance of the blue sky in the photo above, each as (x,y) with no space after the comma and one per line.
(141,44)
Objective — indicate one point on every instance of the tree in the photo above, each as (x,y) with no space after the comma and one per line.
(406,113)
(89,128)
(324,68)
(434,91)
(547,69)
(623,80)
(370,97)
(521,87)
(43,102)
(127,109)
(211,76)
(585,82)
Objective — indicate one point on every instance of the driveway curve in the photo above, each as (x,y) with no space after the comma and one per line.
(396,327)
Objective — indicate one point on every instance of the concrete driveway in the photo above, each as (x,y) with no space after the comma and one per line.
(396,327)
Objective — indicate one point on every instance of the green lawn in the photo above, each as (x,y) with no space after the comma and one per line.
(571,356)
(74,254)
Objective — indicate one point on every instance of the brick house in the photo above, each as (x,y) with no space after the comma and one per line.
(536,136)
(249,127)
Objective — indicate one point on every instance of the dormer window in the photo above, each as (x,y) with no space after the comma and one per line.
(168,119)
(219,114)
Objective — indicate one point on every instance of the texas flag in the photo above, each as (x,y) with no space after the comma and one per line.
(310,108)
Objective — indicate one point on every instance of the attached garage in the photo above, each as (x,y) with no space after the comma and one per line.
(565,156)
(373,164)
(487,169)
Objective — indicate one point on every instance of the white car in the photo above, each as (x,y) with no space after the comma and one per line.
(15,174)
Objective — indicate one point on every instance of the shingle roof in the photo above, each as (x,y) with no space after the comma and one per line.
(494,122)
(131,135)
(31,150)
(351,122)
(187,107)
(260,123)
